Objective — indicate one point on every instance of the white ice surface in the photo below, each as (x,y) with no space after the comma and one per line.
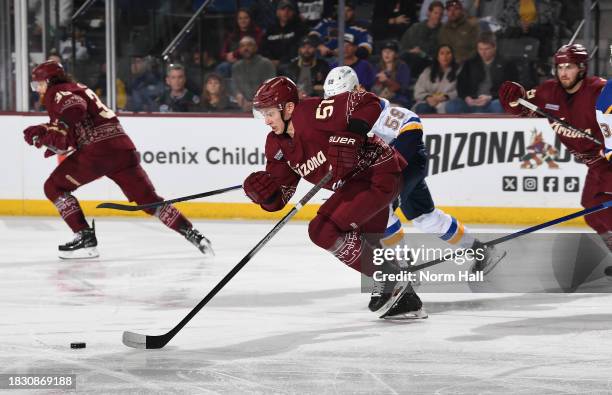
(292,321)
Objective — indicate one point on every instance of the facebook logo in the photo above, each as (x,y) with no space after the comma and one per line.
(509,184)
(551,184)
(571,184)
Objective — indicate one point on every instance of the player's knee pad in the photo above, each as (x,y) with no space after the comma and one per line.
(323,232)
(53,189)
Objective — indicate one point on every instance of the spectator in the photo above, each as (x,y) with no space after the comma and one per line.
(488,12)
(533,18)
(390,19)
(471,7)
(249,72)
(363,68)
(420,41)
(144,86)
(313,11)
(437,84)
(214,95)
(480,78)
(393,76)
(282,39)
(177,98)
(326,34)
(244,27)
(307,71)
(458,32)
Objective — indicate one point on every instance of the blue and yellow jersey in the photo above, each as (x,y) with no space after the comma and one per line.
(603,111)
(394,121)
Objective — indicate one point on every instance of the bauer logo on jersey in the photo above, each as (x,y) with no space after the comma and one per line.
(303,169)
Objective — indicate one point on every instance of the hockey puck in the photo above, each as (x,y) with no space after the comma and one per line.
(608,271)
(77,345)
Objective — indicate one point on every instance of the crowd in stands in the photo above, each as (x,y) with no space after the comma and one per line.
(432,56)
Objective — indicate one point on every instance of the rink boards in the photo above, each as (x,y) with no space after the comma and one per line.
(486,170)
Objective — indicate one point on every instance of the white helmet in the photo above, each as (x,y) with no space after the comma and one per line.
(339,80)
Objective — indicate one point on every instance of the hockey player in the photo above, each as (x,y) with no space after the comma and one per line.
(571,96)
(310,138)
(403,129)
(79,121)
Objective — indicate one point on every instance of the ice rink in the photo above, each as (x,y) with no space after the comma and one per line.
(292,321)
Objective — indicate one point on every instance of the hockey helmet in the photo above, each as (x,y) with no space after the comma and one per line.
(45,71)
(276,92)
(339,80)
(573,53)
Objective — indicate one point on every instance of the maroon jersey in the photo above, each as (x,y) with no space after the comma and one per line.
(576,109)
(79,119)
(315,121)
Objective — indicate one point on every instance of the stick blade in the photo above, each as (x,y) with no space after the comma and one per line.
(134,340)
(117,206)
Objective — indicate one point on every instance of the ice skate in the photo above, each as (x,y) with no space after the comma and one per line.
(382,291)
(490,259)
(199,240)
(408,306)
(82,247)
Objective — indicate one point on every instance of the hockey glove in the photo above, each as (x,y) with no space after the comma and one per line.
(343,156)
(260,187)
(33,135)
(509,93)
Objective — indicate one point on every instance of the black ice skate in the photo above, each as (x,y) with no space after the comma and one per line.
(408,306)
(490,258)
(384,291)
(197,239)
(82,247)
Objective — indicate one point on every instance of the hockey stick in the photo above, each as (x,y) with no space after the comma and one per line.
(499,240)
(137,340)
(551,117)
(53,149)
(532,229)
(127,207)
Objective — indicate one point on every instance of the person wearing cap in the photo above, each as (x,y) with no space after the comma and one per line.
(281,41)
(459,32)
(326,34)
(363,68)
(393,76)
(306,70)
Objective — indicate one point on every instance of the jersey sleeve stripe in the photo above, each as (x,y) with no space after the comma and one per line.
(609,110)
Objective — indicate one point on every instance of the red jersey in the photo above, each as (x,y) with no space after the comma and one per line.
(315,120)
(80,119)
(576,109)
